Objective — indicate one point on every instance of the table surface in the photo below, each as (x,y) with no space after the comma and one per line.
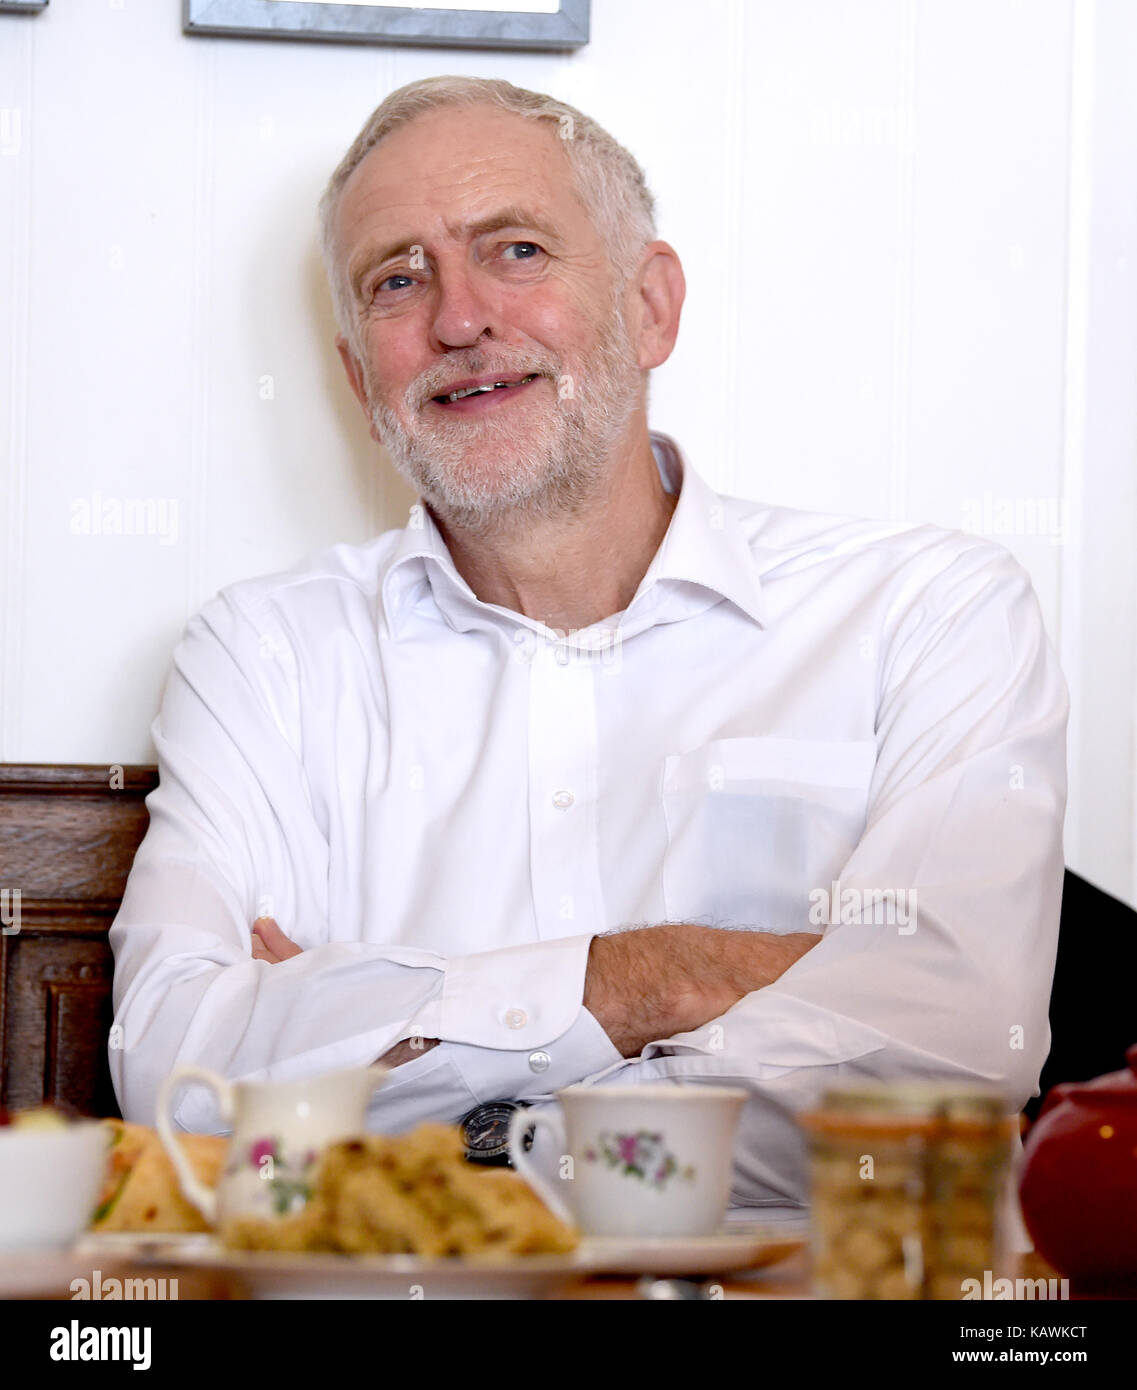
(49,1275)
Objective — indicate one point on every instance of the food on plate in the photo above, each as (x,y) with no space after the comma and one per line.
(141,1190)
(413,1193)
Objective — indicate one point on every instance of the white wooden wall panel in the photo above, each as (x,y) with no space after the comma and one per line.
(1099,628)
(908,229)
(988,296)
(825,136)
(107,413)
(16,58)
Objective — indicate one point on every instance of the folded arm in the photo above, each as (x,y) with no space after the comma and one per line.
(965,821)
(233,836)
(639,985)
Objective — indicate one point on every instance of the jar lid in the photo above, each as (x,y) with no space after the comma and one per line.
(922,1107)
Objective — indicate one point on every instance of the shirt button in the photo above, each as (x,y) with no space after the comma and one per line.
(516,1018)
(539,1061)
(562,656)
(563,800)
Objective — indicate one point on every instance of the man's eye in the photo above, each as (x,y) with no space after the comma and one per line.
(390,282)
(526,250)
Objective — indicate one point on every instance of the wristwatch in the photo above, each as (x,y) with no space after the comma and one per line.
(486,1132)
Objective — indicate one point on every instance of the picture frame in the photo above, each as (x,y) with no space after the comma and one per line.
(503,24)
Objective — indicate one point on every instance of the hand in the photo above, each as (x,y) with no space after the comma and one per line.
(270,943)
(657,981)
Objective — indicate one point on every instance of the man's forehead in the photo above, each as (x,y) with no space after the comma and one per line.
(455,167)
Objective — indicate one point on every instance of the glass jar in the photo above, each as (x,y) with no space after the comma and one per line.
(910,1187)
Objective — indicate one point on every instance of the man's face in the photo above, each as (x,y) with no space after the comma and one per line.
(470,261)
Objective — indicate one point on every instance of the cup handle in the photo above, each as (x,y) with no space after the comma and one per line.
(203,1197)
(552,1121)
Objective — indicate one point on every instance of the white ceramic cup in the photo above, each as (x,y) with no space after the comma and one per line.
(49,1183)
(650,1160)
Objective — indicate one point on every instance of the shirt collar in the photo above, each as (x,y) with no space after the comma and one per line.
(419,559)
(704,557)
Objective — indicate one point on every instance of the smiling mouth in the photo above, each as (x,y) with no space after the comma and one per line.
(484,390)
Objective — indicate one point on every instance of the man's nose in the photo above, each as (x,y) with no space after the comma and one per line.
(461,313)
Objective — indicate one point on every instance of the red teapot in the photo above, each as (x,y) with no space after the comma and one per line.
(1079,1182)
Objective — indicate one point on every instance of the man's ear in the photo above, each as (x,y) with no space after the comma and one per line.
(354,369)
(662,290)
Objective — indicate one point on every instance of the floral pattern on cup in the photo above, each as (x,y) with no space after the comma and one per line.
(641,1155)
(286,1176)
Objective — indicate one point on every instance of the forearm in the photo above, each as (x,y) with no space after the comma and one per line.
(188,988)
(653,982)
(961,997)
(331,1008)
(650,983)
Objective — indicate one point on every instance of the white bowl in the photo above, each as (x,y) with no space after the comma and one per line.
(50,1183)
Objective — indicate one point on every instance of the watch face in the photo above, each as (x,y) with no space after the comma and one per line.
(486,1131)
(487,1128)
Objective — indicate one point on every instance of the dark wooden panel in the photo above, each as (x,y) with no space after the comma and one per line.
(26,778)
(79,1015)
(67,839)
(57,1003)
(72,839)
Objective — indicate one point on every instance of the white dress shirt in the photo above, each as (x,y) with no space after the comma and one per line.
(442,801)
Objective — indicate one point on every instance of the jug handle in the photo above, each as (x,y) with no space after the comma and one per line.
(204,1198)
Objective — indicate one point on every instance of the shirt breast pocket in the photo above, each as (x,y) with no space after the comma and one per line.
(753,824)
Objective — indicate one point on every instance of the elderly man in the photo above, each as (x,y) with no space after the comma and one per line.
(414,793)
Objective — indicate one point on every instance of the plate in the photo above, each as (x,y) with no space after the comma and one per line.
(270,1275)
(733,1249)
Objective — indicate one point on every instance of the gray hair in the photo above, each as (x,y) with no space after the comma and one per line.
(607,179)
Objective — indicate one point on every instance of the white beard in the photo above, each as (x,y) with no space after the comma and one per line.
(477,473)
